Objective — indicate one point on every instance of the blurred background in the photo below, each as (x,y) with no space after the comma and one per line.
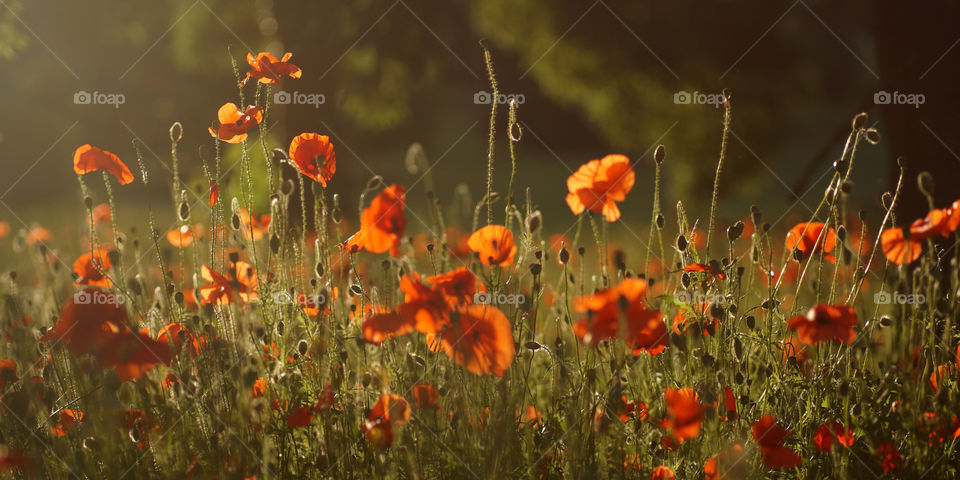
(595,77)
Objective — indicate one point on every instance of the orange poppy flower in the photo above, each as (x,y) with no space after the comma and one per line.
(479,338)
(381,224)
(265,68)
(685,414)
(890,458)
(8,373)
(456,242)
(235,123)
(301,417)
(88,159)
(425,396)
(313,155)
(824,323)
(770,437)
(661,473)
(214,193)
(726,466)
(898,248)
(259,388)
(178,335)
(253,227)
(38,235)
(181,237)
(241,279)
(433,342)
(494,245)
(133,354)
(810,238)
(793,347)
(686,317)
(390,410)
(87,321)
(643,328)
(101,214)
(67,420)
(599,184)
(830,431)
(383,326)
(729,404)
(4,229)
(701,267)
(86,271)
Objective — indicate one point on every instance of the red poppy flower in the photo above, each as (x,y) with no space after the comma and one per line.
(687,317)
(38,235)
(825,323)
(259,388)
(531,416)
(101,214)
(770,437)
(182,237)
(661,473)
(381,224)
(4,229)
(425,396)
(301,417)
(729,404)
(313,155)
(325,399)
(235,123)
(599,184)
(390,410)
(685,414)
(810,238)
(383,326)
(643,329)
(253,227)
(726,466)
(265,68)
(433,342)
(494,245)
(898,248)
(66,421)
(890,458)
(87,321)
(8,373)
(241,280)
(88,159)
(456,242)
(701,267)
(214,193)
(830,431)
(86,271)
(133,354)
(178,336)
(479,338)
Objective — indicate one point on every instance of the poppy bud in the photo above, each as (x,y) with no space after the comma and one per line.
(430,247)
(356,289)
(765,227)
(235,221)
(886,321)
(535,269)
(302,347)
(660,221)
(738,348)
(280,328)
(581,251)
(184,211)
(755,214)
(770,304)
(707,360)
(318,269)
(658,154)
(926,184)
(734,232)
(88,202)
(840,165)
(842,233)
(846,188)
(797,255)
(685,280)
(751,322)
(738,378)
(374,183)
(274,243)
(531,345)
(538,254)
(564,256)
(682,243)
